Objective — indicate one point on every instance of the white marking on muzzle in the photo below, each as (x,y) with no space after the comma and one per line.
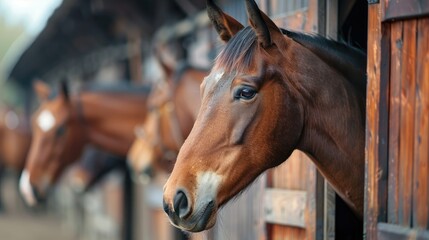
(26,189)
(46,120)
(207,188)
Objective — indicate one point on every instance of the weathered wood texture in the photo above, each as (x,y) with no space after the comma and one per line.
(421,133)
(294,174)
(398,90)
(243,217)
(372,201)
(286,207)
(406,125)
(395,232)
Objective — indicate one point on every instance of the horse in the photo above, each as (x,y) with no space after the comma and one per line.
(15,138)
(173,107)
(63,125)
(270,91)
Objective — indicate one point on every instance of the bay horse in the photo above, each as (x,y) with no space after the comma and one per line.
(173,107)
(63,125)
(269,92)
(15,138)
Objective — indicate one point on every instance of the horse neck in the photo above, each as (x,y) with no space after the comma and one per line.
(334,129)
(109,119)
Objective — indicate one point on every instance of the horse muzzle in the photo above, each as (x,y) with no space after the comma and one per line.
(30,194)
(182,216)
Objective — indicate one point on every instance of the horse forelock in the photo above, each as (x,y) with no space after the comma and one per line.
(239,52)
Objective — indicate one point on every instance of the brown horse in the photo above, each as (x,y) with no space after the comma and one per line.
(15,138)
(269,92)
(174,106)
(64,124)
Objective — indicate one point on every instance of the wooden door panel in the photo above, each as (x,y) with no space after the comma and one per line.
(398,63)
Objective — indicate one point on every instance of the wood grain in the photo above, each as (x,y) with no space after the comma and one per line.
(421,133)
(406,131)
(394,118)
(372,120)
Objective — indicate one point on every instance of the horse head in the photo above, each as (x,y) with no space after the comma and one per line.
(56,142)
(153,149)
(268,93)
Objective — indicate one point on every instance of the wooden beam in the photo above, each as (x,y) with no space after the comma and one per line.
(395,232)
(286,207)
(395,9)
(374,165)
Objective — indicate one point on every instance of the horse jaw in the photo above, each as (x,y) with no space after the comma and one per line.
(26,189)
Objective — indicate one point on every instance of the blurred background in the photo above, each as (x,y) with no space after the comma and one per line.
(80,41)
(108,42)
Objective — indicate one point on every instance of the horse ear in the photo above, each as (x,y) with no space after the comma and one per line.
(225,25)
(42,90)
(261,23)
(64,90)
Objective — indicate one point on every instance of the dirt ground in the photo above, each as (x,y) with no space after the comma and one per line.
(20,223)
(28,227)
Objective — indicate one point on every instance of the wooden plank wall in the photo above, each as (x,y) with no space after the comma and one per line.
(297,173)
(408,120)
(372,200)
(397,191)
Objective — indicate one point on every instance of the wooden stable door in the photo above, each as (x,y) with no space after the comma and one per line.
(397,149)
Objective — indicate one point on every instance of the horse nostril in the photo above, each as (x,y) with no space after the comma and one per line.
(181,206)
(165,206)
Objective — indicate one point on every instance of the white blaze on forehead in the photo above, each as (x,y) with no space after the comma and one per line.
(26,189)
(207,187)
(46,120)
(218,75)
(212,80)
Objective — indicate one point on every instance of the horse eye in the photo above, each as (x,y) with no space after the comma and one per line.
(245,93)
(60,131)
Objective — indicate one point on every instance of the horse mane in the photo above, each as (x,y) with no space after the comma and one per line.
(348,60)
